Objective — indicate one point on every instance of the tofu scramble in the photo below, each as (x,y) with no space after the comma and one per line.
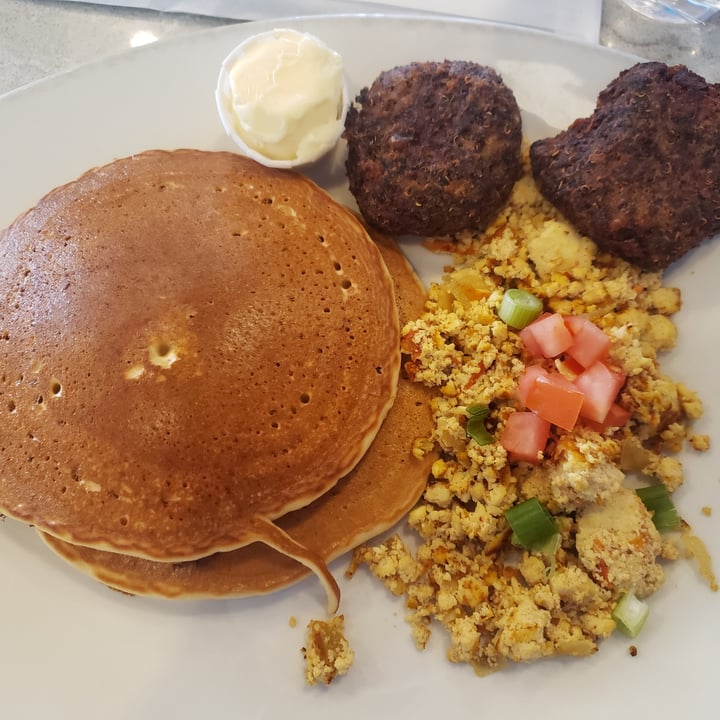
(499,602)
(327,651)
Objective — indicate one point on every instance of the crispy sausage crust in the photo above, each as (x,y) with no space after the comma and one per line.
(641,175)
(433,148)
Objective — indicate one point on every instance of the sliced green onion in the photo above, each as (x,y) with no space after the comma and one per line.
(519,308)
(657,500)
(475,427)
(532,525)
(551,545)
(630,614)
(479,409)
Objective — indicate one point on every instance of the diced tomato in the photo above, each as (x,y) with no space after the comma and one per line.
(617,417)
(599,385)
(530,343)
(550,334)
(584,385)
(524,436)
(590,343)
(556,399)
(574,323)
(527,380)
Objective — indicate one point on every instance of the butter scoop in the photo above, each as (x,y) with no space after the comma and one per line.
(282,97)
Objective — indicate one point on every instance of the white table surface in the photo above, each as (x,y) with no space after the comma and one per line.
(41,37)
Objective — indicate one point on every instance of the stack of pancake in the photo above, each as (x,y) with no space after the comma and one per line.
(200,376)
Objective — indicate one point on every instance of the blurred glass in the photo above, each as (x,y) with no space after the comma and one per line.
(676,11)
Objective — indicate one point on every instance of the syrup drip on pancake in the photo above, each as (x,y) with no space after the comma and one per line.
(277,539)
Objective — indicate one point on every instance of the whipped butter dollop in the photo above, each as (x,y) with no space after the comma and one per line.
(282,94)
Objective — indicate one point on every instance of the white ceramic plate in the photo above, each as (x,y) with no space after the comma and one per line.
(72,648)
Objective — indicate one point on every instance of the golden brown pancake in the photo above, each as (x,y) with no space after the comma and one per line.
(384,485)
(191,345)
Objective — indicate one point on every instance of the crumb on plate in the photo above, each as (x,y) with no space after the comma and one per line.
(327,651)
(700,442)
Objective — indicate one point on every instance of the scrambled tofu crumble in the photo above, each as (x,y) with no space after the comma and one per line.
(327,651)
(498,602)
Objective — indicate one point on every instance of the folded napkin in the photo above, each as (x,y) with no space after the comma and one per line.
(578,19)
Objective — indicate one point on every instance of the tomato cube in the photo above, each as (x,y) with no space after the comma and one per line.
(525,436)
(530,343)
(527,380)
(600,386)
(617,417)
(549,334)
(590,343)
(556,399)
(574,323)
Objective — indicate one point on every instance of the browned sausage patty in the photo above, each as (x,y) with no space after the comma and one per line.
(433,148)
(641,175)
